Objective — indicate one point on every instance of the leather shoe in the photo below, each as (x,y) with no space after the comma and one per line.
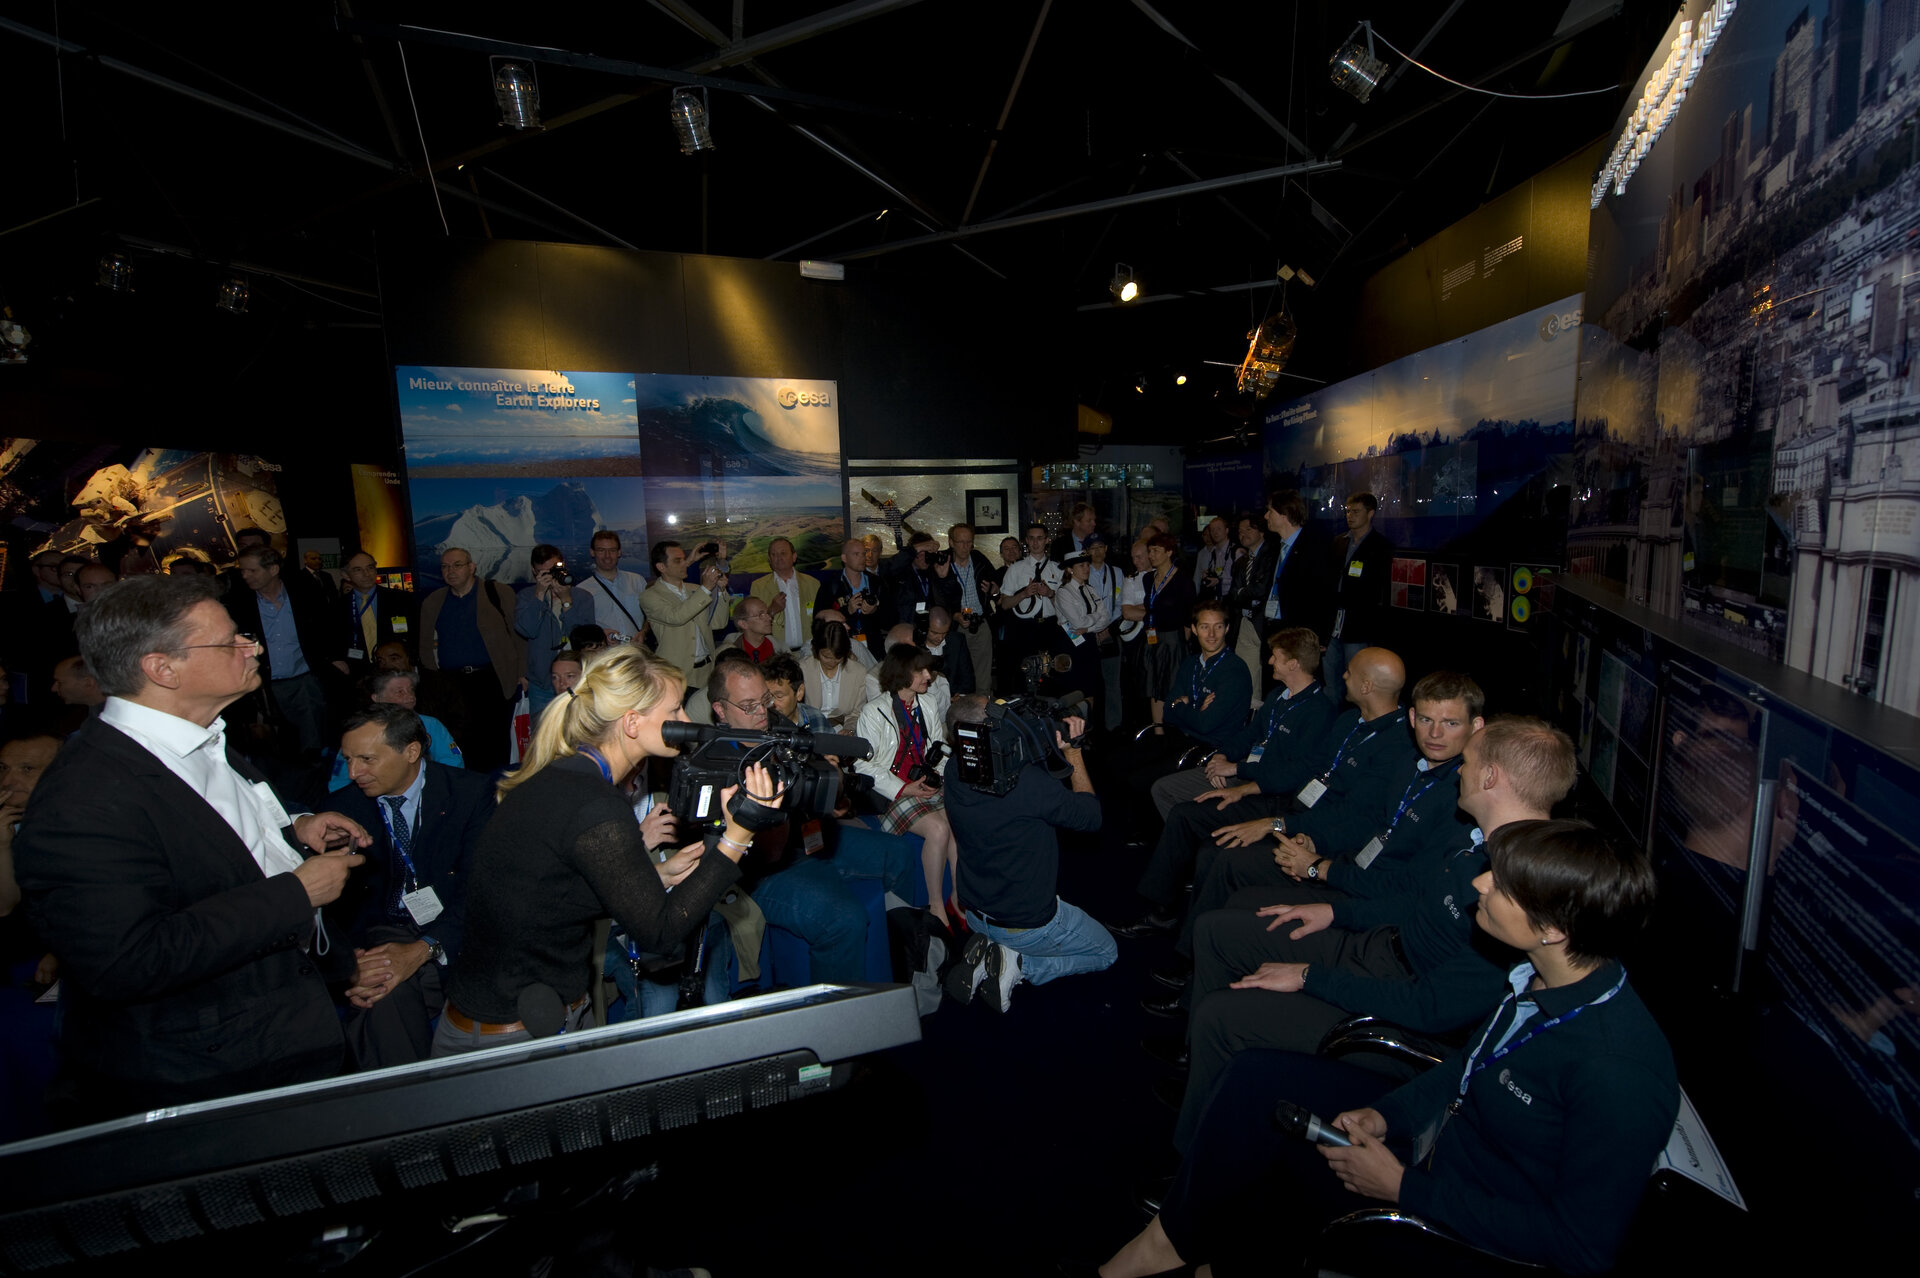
(1152,1194)
(1168,1049)
(1171,1091)
(1163,1002)
(1174,973)
(1152,923)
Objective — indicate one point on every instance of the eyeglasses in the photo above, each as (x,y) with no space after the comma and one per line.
(750,707)
(238,641)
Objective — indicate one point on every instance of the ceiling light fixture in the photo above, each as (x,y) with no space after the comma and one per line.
(1123,286)
(1355,69)
(233,294)
(688,111)
(517,90)
(1179,379)
(115,273)
(1140,384)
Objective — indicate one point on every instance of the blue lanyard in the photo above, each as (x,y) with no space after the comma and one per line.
(1153,592)
(359,609)
(600,761)
(386,814)
(1466,1075)
(1408,799)
(910,725)
(1286,706)
(1341,753)
(1200,672)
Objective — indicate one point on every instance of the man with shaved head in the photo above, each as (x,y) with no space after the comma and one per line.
(1354,760)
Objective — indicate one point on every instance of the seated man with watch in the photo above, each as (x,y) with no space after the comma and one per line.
(1403,947)
(403,916)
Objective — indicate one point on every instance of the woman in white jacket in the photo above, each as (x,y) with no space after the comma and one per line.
(903,725)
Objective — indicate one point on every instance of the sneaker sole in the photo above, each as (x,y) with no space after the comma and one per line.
(965,979)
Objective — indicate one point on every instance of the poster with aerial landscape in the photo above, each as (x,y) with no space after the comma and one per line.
(502,460)
(1747,454)
(1411,431)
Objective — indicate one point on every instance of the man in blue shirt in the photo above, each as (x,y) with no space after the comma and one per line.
(299,644)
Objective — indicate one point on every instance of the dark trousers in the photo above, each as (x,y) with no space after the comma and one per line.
(477,715)
(1249,1199)
(1230,944)
(397,1030)
(1187,836)
(1210,859)
(302,702)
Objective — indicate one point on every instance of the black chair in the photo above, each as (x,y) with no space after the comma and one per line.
(1391,1243)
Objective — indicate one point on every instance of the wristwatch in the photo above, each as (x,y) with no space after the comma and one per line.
(1313,871)
(1279,825)
(435,951)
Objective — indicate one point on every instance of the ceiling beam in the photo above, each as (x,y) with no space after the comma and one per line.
(1227,82)
(1206,187)
(1013,91)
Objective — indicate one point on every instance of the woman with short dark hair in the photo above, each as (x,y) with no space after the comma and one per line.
(1544,1127)
(902,724)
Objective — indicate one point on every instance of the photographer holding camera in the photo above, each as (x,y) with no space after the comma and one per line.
(906,731)
(543,614)
(563,851)
(1004,806)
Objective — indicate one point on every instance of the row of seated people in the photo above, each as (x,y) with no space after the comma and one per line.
(1402,864)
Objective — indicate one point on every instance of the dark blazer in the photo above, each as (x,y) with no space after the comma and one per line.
(182,975)
(315,620)
(984,572)
(458,805)
(389,606)
(1363,598)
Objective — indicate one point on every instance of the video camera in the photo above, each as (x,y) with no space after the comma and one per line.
(713,757)
(1018,731)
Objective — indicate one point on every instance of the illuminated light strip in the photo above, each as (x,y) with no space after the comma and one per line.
(1660,102)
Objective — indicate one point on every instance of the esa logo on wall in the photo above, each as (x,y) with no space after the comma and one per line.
(1557,323)
(791,398)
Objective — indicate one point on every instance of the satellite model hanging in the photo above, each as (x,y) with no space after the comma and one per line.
(1268,347)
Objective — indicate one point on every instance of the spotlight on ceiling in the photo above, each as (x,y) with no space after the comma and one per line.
(1179,379)
(1140,384)
(517,91)
(232,295)
(115,273)
(688,111)
(1123,286)
(1355,69)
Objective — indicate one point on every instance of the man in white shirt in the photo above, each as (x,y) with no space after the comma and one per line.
(177,891)
(1214,564)
(791,595)
(616,591)
(1027,591)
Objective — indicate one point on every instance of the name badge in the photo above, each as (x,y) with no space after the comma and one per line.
(1366,854)
(1254,755)
(1310,792)
(920,607)
(423,905)
(1273,610)
(814,840)
(399,625)
(1354,568)
(1153,637)
(355,654)
(1686,563)
(1076,637)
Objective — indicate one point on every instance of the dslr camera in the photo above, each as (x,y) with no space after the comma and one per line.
(938,557)
(930,769)
(713,757)
(559,573)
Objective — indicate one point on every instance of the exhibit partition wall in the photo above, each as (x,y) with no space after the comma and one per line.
(1749,403)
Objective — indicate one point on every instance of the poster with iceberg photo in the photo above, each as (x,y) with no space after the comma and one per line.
(502,460)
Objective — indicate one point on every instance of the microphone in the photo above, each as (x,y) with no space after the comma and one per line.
(1070,702)
(1293,1120)
(541,1011)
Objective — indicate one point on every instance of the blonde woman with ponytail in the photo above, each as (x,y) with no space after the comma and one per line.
(563,850)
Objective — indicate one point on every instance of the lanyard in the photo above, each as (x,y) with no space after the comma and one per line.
(1286,706)
(911,726)
(1466,1075)
(1154,588)
(1408,799)
(600,761)
(386,814)
(925,582)
(1341,753)
(1200,672)
(1278,568)
(359,608)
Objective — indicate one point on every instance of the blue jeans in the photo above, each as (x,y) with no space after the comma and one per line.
(1333,668)
(810,899)
(1072,942)
(640,997)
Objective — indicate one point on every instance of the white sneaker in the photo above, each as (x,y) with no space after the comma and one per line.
(1003,973)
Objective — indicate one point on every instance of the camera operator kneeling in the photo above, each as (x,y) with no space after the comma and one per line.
(563,851)
(1005,806)
(1534,1142)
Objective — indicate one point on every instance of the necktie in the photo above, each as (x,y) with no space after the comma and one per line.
(402,844)
(367,622)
